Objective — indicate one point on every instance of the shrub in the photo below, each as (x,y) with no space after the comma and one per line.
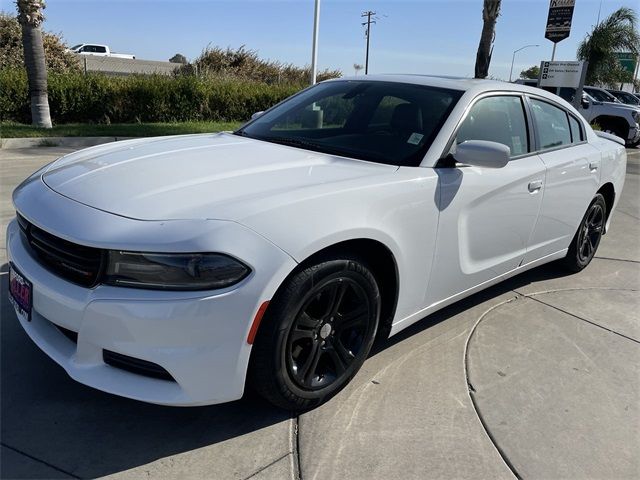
(12,54)
(95,98)
(246,64)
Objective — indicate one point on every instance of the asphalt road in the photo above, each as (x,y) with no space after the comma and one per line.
(537,377)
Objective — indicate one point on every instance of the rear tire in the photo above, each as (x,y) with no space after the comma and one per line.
(587,239)
(316,334)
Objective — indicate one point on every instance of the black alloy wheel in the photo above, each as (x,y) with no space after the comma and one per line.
(316,333)
(586,240)
(328,333)
(591,233)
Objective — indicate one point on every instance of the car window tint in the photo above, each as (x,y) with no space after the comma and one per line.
(498,119)
(384,111)
(385,122)
(101,50)
(576,131)
(329,112)
(552,124)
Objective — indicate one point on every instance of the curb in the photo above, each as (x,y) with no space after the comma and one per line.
(77,142)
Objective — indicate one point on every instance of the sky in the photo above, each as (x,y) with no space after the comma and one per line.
(437,37)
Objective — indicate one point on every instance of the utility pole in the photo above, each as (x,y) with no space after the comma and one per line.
(368,23)
(314,53)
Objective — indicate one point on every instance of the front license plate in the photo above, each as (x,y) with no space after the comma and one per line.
(20,293)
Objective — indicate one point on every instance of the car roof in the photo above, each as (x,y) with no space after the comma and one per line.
(465,84)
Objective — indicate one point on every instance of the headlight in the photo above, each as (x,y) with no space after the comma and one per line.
(636,115)
(181,271)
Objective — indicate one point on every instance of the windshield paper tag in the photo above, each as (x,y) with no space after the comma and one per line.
(415,138)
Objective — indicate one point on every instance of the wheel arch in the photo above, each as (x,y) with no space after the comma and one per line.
(607,120)
(378,257)
(609,193)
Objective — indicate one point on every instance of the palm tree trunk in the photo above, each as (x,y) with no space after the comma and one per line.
(490,14)
(37,75)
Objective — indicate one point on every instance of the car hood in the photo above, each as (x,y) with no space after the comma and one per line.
(623,106)
(198,176)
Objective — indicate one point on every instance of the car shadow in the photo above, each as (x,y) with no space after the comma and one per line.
(541,273)
(90,433)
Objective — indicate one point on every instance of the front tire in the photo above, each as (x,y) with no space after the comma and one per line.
(587,239)
(316,334)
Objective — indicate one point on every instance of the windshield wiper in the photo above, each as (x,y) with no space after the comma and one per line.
(295,142)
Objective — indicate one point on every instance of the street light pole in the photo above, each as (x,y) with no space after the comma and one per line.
(513,59)
(314,53)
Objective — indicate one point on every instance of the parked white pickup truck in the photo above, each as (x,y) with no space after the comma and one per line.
(99,50)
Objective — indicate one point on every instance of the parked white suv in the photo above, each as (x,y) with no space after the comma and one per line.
(98,50)
(616,118)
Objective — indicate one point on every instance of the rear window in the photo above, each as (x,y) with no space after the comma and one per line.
(552,124)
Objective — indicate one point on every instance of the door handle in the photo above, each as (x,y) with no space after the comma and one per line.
(593,166)
(535,185)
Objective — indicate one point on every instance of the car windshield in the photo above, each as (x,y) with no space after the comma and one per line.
(385,122)
(600,95)
(75,47)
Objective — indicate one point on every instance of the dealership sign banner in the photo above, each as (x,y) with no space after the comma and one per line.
(559,20)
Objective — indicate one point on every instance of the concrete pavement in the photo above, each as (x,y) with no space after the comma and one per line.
(538,376)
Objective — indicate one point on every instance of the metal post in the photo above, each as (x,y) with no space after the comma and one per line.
(314,54)
(514,57)
(553,53)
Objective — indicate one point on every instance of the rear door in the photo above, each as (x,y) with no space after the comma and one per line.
(572,178)
(487,215)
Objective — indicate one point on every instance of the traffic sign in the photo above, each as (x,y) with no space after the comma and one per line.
(627,61)
(559,20)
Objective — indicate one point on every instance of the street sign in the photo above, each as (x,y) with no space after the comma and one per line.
(559,20)
(627,61)
(560,74)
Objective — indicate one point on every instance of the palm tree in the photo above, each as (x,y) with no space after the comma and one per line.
(617,33)
(490,14)
(30,17)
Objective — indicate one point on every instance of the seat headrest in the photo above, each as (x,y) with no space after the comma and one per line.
(406,117)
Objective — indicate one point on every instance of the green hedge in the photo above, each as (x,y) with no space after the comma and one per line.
(75,97)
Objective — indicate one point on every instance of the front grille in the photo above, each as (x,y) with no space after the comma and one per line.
(76,263)
(135,365)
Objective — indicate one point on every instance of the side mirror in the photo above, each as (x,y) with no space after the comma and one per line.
(585,103)
(256,115)
(481,153)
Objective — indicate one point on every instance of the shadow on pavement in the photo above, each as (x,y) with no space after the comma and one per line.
(541,273)
(90,433)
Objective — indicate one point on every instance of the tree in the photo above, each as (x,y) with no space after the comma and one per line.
(58,59)
(179,58)
(490,13)
(531,72)
(617,33)
(357,67)
(30,17)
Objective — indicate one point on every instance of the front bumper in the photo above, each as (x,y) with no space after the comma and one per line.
(199,338)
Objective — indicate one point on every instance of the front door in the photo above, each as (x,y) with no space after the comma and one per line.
(487,215)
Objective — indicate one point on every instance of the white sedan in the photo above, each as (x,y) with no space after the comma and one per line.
(177,270)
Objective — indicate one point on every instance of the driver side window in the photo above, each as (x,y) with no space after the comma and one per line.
(498,119)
